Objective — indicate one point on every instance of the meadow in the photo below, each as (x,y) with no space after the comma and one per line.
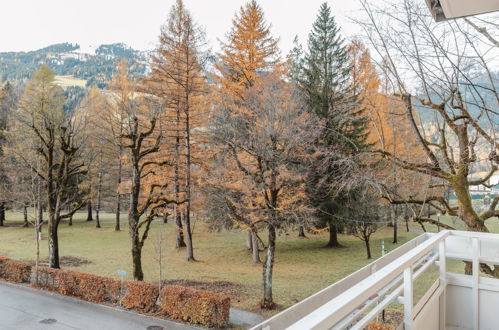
(303,266)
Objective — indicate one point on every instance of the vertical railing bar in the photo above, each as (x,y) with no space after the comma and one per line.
(475,281)
(443,283)
(408,298)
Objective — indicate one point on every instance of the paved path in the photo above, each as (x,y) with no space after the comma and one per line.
(24,308)
(243,319)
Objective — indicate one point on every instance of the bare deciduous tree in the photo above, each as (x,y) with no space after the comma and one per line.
(445,69)
(42,126)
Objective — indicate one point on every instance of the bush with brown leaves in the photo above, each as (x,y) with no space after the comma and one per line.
(202,307)
(140,296)
(15,271)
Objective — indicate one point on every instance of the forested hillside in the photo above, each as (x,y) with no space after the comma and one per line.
(66,59)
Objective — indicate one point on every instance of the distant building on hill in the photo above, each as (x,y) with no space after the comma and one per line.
(490,188)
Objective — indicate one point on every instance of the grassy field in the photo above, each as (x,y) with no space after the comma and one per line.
(69,81)
(303,266)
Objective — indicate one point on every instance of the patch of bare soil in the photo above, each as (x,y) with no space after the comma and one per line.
(64,261)
(12,225)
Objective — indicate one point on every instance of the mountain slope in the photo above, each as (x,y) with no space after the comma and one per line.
(66,59)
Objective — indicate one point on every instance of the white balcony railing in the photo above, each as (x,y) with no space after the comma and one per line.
(449,301)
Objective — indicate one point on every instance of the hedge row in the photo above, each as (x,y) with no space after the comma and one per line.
(175,302)
(88,287)
(194,306)
(141,296)
(15,271)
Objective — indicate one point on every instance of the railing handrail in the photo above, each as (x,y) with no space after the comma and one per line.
(299,310)
(336,309)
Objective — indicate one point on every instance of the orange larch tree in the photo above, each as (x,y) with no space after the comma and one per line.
(249,51)
(178,78)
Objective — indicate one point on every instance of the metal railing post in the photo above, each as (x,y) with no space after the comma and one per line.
(408,298)
(443,284)
(475,281)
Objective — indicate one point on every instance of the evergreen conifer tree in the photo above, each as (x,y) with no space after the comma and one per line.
(323,73)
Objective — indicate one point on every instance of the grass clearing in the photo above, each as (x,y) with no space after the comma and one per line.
(70,81)
(303,266)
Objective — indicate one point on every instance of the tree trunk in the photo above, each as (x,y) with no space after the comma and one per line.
(90,216)
(38,226)
(97,207)
(2,214)
(333,236)
(70,223)
(249,241)
(188,238)
(165,217)
(268,265)
(394,222)
(40,213)
(301,232)
(176,212)
(368,248)
(53,242)
(466,211)
(25,216)
(180,242)
(117,226)
(254,248)
(406,217)
(187,213)
(138,274)
(133,221)
(118,196)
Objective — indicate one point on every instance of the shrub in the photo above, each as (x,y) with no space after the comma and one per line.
(195,306)
(15,271)
(67,283)
(140,296)
(88,287)
(99,289)
(46,278)
(186,304)
(3,260)
(379,326)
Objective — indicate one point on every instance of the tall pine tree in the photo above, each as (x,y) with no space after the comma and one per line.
(323,73)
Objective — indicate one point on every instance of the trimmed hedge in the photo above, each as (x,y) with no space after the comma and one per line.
(195,306)
(3,261)
(202,307)
(15,271)
(46,278)
(140,296)
(88,287)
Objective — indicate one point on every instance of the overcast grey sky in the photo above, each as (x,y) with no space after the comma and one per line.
(32,24)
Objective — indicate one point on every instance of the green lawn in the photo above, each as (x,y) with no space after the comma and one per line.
(303,266)
(492,224)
